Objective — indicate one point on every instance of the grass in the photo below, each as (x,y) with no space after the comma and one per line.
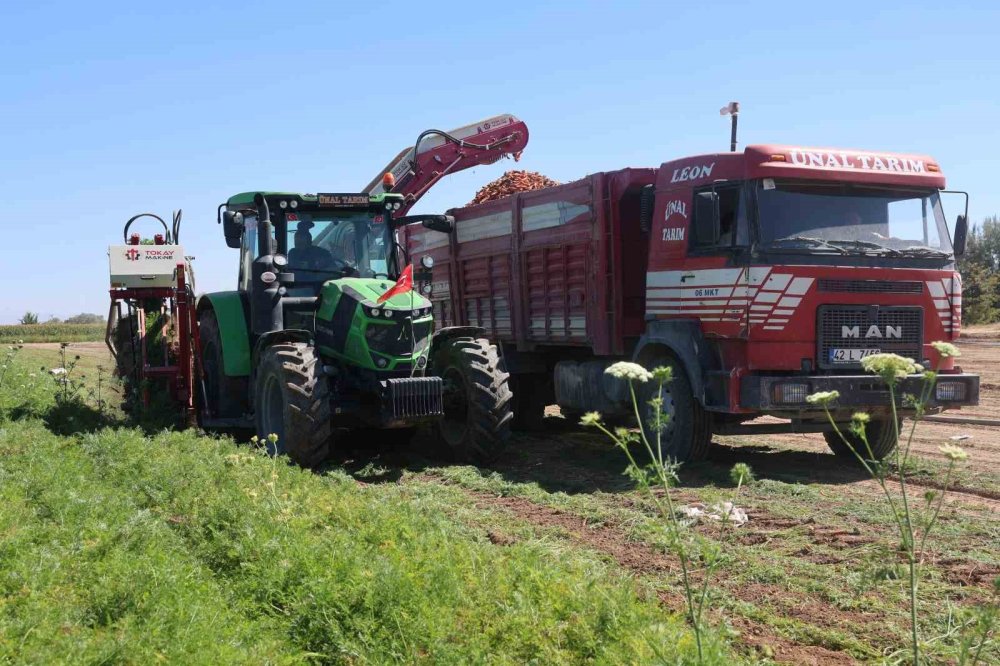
(12,333)
(119,547)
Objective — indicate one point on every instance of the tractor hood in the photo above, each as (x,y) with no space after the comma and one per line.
(354,327)
(367,292)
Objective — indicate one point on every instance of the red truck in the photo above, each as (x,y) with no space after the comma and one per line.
(760,276)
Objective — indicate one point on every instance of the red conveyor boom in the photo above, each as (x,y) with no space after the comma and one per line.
(437,154)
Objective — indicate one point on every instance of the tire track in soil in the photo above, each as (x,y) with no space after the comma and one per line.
(641,558)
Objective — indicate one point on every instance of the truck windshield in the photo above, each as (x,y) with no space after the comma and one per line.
(838,218)
(334,244)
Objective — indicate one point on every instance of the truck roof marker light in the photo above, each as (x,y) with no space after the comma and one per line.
(777,158)
(933,167)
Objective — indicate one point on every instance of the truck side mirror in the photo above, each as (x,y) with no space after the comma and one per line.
(961,232)
(647,201)
(706,228)
(232,227)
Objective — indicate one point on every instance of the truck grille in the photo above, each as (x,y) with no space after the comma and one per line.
(413,397)
(897,330)
(871,286)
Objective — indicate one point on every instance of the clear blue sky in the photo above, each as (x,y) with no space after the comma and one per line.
(111,109)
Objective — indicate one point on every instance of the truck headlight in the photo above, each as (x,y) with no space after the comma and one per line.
(950,391)
(790,393)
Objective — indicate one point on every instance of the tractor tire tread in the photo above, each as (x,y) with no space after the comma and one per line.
(308,432)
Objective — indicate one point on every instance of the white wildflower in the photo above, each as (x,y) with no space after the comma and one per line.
(55,372)
(629,371)
(822,397)
(953,452)
(946,349)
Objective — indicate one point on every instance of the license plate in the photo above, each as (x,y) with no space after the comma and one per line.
(851,355)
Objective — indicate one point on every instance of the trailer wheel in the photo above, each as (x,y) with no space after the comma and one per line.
(292,401)
(881,439)
(688,431)
(477,399)
(226,396)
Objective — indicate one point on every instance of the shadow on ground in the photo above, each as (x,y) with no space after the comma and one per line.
(564,457)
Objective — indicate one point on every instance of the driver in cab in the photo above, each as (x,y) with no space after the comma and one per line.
(304,254)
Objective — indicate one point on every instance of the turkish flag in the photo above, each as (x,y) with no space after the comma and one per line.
(403,285)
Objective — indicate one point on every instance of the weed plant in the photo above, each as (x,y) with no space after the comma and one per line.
(660,474)
(915,523)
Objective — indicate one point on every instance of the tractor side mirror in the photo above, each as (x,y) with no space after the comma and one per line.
(647,200)
(961,232)
(706,227)
(232,227)
(443,223)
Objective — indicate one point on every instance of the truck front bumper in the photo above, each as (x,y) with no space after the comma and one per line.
(788,393)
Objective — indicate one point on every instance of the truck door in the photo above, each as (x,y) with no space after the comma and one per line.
(706,277)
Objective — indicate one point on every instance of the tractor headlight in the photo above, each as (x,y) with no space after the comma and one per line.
(381,362)
(374,312)
(397,206)
(282,204)
(427,289)
(427,261)
(293,203)
(388,205)
(387,313)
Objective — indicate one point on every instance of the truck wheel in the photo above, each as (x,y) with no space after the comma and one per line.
(529,402)
(226,396)
(477,399)
(881,438)
(688,431)
(292,400)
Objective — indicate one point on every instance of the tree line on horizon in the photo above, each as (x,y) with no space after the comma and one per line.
(980,269)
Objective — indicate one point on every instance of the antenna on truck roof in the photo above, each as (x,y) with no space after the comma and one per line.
(731,109)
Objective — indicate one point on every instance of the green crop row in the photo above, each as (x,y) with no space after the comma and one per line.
(180,548)
(51,333)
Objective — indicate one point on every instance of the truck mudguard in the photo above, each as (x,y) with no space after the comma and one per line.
(683,338)
(228,307)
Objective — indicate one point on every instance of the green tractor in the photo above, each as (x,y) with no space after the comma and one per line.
(330,329)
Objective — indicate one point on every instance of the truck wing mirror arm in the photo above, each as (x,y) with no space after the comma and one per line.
(443,223)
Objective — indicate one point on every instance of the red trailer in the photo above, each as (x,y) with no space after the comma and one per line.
(761,276)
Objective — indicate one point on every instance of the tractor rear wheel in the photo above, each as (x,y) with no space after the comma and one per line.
(226,396)
(477,398)
(881,438)
(292,401)
(687,431)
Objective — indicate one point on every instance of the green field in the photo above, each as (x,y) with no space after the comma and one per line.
(51,333)
(128,543)
(123,547)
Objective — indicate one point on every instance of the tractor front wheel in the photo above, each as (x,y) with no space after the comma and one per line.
(477,398)
(292,401)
